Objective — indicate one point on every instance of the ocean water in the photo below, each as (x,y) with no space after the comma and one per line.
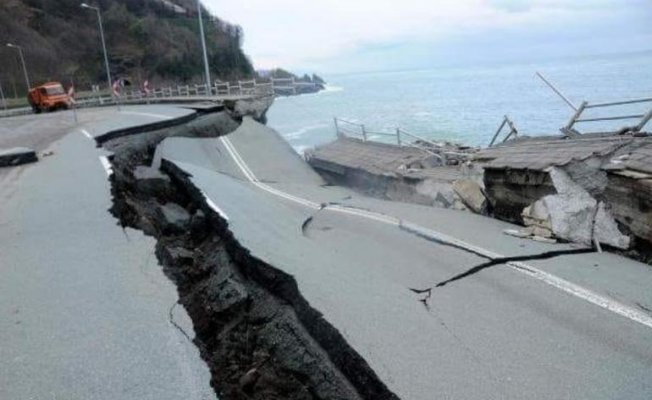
(466,105)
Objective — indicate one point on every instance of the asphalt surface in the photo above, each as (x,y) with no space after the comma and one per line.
(85,310)
(565,328)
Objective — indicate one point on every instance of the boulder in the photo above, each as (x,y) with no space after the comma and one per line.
(441,193)
(471,195)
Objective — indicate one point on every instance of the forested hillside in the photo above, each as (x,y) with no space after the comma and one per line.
(146,39)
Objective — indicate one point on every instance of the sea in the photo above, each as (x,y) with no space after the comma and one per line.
(466,105)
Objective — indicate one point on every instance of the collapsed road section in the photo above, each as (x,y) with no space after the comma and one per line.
(354,262)
(259,336)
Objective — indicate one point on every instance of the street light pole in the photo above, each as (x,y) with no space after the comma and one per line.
(22,60)
(106,57)
(203,45)
(2,96)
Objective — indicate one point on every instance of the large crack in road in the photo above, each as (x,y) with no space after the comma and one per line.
(259,336)
(427,292)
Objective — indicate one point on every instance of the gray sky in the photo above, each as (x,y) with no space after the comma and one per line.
(333,36)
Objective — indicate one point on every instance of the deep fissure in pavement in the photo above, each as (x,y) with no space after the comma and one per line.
(497,261)
(260,338)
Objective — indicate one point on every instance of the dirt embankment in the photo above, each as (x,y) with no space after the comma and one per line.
(259,336)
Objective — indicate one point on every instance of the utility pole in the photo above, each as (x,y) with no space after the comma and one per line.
(203,45)
(106,57)
(22,60)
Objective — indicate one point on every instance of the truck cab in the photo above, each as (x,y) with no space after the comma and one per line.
(48,97)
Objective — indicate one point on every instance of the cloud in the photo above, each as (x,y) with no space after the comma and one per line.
(298,34)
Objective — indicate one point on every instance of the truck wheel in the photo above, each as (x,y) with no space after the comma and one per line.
(36,110)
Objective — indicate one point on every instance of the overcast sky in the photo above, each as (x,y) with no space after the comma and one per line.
(334,36)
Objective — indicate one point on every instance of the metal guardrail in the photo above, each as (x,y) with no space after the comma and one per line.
(356,130)
(569,129)
(219,91)
(512,130)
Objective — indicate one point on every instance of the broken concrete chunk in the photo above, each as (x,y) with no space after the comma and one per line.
(150,182)
(521,234)
(531,233)
(431,161)
(145,172)
(441,193)
(537,215)
(606,229)
(588,175)
(17,156)
(568,214)
(543,239)
(564,184)
(571,214)
(173,218)
(471,195)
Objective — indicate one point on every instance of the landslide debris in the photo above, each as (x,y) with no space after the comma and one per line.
(258,335)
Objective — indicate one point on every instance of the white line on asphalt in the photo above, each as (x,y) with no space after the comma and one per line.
(215,208)
(159,116)
(552,280)
(252,178)
(108,168)
(88,135)
(584,294)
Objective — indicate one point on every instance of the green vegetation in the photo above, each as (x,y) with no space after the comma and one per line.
(146,39)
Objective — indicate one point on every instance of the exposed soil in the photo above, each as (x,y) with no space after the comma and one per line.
(260,338)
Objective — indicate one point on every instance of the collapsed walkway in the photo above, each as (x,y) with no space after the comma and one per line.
(612,174)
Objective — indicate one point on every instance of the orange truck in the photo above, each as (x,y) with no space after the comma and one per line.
(48,97)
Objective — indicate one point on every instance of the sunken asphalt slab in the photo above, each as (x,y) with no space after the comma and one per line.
(85,310)
(497,334)
(17,156)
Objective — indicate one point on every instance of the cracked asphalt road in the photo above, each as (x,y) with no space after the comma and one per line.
(87,313)
(84,306)
(496,334)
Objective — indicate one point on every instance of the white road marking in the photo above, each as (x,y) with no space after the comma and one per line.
(252,178)
(108,168)
(215,208)
(552,280)
(585,294)
(88,135)
(571,288)
(158,116)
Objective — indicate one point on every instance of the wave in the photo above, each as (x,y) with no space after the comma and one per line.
(330,88)
(301,149)
(300,132)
